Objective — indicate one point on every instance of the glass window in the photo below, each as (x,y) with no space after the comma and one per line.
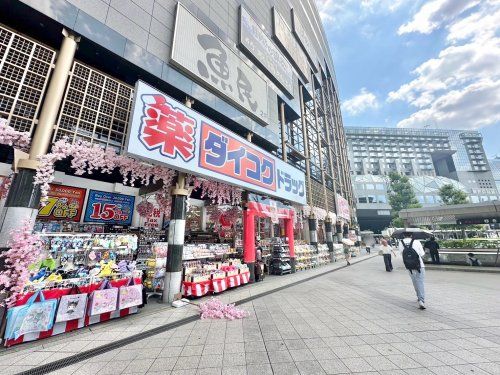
(379,187)
(381,199)
(370,187)
(483,198)
(429,199)
(362,200)
(372,199)
(420,198)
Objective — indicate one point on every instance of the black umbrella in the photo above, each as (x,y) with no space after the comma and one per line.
(417,233)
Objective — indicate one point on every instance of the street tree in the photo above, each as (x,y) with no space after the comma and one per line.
(401,196)
(451,195)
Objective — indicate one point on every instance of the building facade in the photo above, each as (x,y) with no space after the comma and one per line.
(431,158)
(262,69)
(495,169)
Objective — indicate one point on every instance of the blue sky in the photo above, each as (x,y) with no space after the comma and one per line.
(416,63)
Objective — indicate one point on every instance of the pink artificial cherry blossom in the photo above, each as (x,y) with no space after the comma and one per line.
(24,251)
(11,137)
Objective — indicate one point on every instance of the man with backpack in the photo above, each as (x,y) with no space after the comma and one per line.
(412,253)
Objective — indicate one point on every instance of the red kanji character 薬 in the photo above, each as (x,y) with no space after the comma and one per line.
(168,129)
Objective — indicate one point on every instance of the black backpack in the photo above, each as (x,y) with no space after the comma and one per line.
(410,257)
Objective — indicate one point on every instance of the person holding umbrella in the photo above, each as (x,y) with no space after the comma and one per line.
(412,253)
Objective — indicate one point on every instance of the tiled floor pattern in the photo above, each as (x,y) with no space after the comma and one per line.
(357,320)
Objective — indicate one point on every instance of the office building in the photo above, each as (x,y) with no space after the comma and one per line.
(431,158)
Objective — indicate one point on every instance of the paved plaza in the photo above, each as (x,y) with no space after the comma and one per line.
(358,319)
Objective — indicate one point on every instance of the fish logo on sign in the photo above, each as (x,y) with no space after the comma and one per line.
(166,128)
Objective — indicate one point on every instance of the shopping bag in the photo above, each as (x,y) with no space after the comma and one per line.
(130,295)
(31,317)
(72,306)
(104,299)
(11,326)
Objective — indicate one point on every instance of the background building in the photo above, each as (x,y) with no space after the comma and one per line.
(495,169)
(430,157)
(263,69)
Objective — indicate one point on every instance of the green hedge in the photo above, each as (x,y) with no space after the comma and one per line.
(469,244)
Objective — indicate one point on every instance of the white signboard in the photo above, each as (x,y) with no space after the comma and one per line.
(165,131)
(265,53)
(303,39)
(290,46)
(207,59)
(343,210)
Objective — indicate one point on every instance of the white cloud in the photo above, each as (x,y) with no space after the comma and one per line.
(460,88)
(360,103)
(336,13)
(473,107)
(435,14)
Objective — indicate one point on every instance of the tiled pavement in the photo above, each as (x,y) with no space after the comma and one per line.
(357,320)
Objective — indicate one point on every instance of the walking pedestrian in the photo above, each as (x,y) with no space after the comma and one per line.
(412,252)
(347,254)
(387,252)
(433,247)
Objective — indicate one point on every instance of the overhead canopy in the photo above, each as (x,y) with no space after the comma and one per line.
(476,213)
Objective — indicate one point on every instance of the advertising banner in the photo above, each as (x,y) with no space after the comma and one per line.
(163,130)
(343,210)
(205,57)
(63,203)
(289,45)
(301,34)
(155,219)
(265,53)
(109,208)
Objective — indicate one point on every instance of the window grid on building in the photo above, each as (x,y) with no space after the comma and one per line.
(25,67)
(96,108)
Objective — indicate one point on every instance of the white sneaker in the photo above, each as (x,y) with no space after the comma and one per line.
(421,305)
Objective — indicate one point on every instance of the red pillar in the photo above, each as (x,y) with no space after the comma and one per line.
(291,246)
(249,241)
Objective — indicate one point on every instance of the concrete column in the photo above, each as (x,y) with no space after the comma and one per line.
(24,198)
(313,232)
(329,236)
(176,232)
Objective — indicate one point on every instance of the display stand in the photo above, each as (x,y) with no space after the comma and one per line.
(72,325)
(280,263)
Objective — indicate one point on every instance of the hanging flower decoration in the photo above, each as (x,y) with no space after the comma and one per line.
(217,192)
(232,215)
(319,213)
(11,137)
(24,251)
(87,158)
(215,213)
(145,208)
(5,186)
(216,309)
(164,200)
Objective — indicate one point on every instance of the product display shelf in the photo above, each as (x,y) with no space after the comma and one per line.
(304,257)
(338,252)
(280,262)
(204,276)
(323,254)
(86,286)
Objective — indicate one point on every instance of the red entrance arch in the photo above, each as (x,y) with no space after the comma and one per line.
(259,209)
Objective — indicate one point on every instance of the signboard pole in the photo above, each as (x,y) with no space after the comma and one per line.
(176,231)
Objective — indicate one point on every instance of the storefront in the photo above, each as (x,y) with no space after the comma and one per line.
(99,243)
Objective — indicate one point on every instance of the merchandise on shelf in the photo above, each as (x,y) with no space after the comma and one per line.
(338,252)
(203,275)
(206,251)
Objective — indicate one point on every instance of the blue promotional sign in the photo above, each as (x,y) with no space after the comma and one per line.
(109,208)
